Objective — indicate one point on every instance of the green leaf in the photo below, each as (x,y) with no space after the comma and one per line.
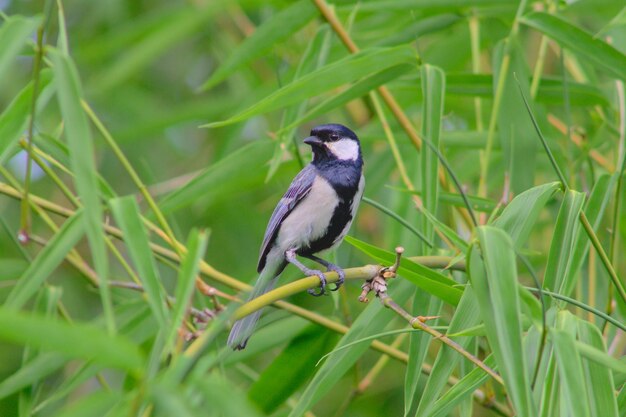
(453,199)
(594,210)
(563,241)
(593,50)
(126,213)
(77,341)
(419,342)
(427,279)
(573,383)
(597,370)
(399,219)
(346,70)
(96,404)
(462,389)
(354,91)
(433,87)
(371,321)
(314,57)
(35,370)
(12,268)
(14,34)
(139,54)
(550,89)
(47,261)
(493,276)
(196,247)
(222,176)
(14,119)
(466,315)
(282,25)
(83,166)
(220,394)
(515,133)
(284,376)
(518,218)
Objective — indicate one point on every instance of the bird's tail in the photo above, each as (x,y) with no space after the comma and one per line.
(243,328)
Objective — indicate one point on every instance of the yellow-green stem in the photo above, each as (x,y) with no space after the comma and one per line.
(416,323)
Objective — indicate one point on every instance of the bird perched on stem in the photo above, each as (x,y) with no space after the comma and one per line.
(314,215)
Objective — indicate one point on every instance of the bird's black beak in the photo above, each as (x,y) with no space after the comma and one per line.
(314,141)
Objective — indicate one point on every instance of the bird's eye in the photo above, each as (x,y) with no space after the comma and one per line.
(334,137)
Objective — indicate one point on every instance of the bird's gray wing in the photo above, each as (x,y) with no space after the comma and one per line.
(299,188)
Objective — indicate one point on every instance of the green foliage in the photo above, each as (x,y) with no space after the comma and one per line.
(148,121)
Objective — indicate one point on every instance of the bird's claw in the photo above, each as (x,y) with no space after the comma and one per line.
(342,278)
(322,290)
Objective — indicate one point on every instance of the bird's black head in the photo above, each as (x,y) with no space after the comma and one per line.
(334,142)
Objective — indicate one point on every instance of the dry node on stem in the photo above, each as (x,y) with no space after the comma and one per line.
(378,284)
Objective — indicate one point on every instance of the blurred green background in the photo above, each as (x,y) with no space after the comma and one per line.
(144,66)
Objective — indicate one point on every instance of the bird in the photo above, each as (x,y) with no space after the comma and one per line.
(313,216)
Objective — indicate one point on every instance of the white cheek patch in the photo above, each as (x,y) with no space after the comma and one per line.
(344,149)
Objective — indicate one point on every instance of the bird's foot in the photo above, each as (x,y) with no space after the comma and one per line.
(340,273)
(322,277)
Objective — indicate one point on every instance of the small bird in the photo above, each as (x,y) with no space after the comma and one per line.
(314,215)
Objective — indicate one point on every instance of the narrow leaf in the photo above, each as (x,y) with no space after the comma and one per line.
(47,261)
(573,382)
(493,276)
(433,87)
(282,25)
(371,321)
(78,134)
(346,70)
(79,341)
(592,49)
(126,213)
(196,246)
(224,174)
(14,34)
(427,279)
(518,218)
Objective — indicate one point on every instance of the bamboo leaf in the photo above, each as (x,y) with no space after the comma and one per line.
(47,261)
(563,241)
(518,218)
(433,87)
(96,404)
(35,370)
(354,91)
(284,377)
(126,213)
(14,34)
(597,370)
(314,57)
(173,29)
(462,389)
(427,279)
(221,176)
(371,321)
(79,341)
(466,315)
(494,278)
(78,134)
(196,247)
(573,383)
(282,25)
(346,70)
(595,50)
(418,347)
(14,119)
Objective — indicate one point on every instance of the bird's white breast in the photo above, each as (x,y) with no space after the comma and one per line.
(310,218)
